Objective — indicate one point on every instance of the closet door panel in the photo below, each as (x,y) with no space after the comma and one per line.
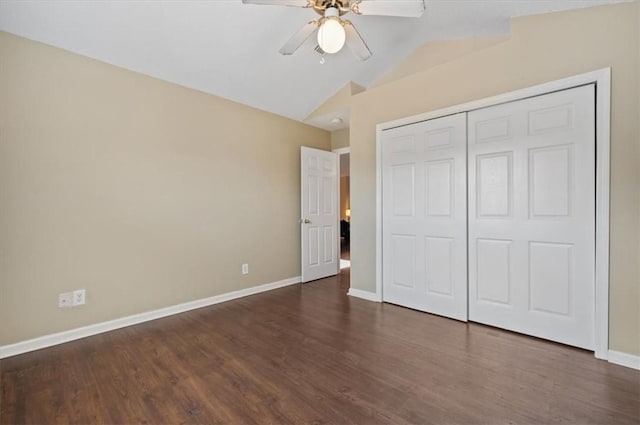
(532,216)
(424,216)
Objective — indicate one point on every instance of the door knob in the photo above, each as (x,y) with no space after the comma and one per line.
(306,221)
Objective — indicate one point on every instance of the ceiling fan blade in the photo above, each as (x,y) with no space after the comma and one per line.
(296,41)
(297,3)
(356,43)
(401,8)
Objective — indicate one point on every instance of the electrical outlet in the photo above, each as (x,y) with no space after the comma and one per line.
(65,300)
(245,269)
(79,297)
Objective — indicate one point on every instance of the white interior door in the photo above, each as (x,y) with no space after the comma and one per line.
(424,216)
(319,220)
(532,216)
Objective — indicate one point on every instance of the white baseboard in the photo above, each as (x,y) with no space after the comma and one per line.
(624,359)
(73,334)
(365,295)
(616,357)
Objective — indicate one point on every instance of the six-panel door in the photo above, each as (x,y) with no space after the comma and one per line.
(532,216)
(424,216)
(319,210)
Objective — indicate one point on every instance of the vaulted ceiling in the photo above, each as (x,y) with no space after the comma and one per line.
(229,49)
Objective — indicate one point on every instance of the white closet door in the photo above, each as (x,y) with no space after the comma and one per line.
(424,216)
(532,216)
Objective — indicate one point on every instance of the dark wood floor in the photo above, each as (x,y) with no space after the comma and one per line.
(310,354)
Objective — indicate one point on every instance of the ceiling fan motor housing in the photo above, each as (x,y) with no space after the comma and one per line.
(341,6)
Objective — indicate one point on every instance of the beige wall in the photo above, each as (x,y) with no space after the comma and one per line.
(340,138)
(541,48)
(435,53)
(145,193)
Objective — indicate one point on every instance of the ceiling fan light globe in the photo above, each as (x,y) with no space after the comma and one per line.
(331,36)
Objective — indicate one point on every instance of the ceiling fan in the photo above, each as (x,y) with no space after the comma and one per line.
(334,31)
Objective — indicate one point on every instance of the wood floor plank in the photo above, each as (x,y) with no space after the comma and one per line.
(310,354)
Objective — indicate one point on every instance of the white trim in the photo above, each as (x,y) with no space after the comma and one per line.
(343,263)
(342,151)
(379,129)
(603,142)
(73,334)
(624,359)
(365,295)
(602,80)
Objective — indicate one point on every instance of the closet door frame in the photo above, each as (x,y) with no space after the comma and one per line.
(602,80)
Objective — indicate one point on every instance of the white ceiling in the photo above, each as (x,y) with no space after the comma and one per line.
(231,50)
